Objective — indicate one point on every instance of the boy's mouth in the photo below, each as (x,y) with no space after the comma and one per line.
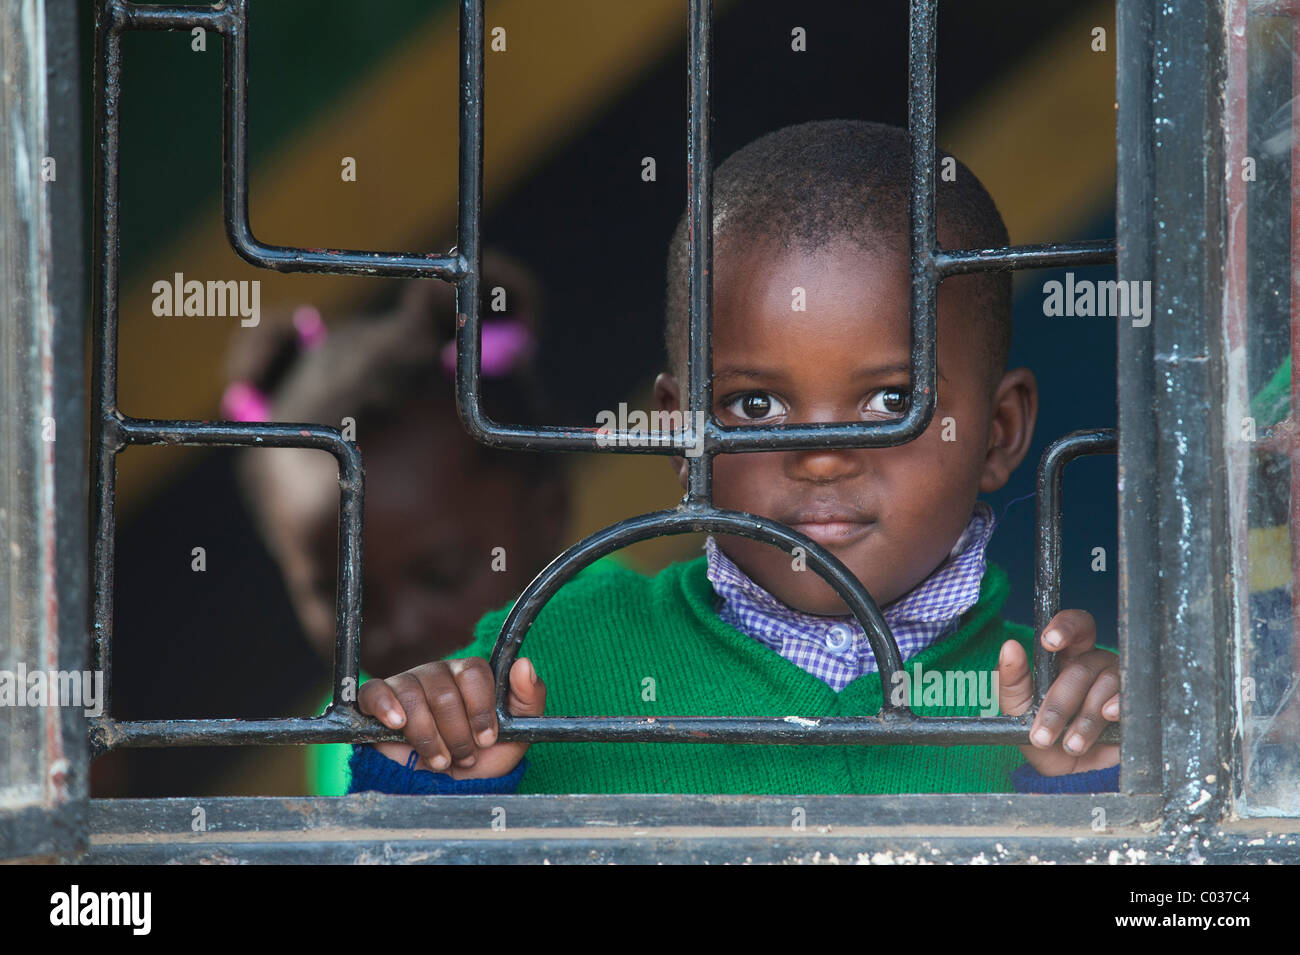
(836,527)
(834,533)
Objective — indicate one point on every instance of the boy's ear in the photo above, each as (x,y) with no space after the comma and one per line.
(668,397)
(1011,430)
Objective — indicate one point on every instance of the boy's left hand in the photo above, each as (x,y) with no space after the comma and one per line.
(1081,701)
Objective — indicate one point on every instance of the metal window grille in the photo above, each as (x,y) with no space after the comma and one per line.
(342,721)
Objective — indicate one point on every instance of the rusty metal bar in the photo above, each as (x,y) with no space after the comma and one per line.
(1047,566)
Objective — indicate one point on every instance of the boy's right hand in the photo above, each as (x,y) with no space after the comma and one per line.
(446,712)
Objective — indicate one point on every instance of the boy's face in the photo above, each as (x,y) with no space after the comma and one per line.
(891,515)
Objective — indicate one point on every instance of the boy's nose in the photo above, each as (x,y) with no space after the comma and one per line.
(824,465)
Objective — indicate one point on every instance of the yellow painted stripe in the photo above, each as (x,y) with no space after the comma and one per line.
(1042,140)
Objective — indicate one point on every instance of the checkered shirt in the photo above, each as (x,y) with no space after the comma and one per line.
(835,649)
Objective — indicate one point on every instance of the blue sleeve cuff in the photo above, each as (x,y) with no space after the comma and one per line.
(1026,779)
(372,771)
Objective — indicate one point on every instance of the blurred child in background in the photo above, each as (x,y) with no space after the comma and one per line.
(452,528)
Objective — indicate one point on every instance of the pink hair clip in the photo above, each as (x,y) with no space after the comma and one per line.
(310,327)
(505,343)
(243,400)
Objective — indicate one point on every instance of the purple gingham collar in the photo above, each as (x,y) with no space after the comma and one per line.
(818,643)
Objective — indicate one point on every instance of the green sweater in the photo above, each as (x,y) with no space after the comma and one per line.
(599,638)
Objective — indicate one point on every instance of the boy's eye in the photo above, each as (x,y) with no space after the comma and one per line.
(890,401)
(756,406)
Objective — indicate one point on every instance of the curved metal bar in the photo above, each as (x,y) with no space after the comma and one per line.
(1047,570)
(347,608)
(235,185)
(684,521)
(713,439)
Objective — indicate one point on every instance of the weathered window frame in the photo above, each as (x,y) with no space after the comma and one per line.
(1176,785)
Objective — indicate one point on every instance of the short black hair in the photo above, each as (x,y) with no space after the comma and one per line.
(809,185)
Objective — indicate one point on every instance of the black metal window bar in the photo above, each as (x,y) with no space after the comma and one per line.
(342,722)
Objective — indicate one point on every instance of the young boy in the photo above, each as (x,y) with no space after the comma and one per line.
(813,215)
